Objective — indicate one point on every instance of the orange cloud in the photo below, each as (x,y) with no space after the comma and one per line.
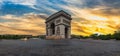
(27,24)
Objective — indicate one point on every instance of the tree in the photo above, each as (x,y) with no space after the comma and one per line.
(94,36)
(117,35)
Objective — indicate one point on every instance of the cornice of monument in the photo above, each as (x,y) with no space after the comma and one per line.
(57,14)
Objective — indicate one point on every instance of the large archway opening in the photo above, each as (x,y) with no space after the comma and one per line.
(66,32)
(52,28)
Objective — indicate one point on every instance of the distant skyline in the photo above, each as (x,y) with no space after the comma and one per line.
(89,16)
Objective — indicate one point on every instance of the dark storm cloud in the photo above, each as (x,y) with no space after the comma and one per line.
(112,3)
(109,3)
(105,7)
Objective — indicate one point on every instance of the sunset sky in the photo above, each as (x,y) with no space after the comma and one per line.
(89,16)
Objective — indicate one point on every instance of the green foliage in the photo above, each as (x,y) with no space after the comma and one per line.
(117,35)
(12,36)
(94,36)
(42,36)
(20,36)
(75,36)
(105,37)
(84,37)
(79,37)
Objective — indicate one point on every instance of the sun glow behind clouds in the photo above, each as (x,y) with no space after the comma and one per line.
(90,23)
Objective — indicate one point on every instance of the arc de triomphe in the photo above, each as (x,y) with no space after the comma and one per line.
(59,24)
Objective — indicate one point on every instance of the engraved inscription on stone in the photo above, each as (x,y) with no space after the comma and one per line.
(58,21)
(66,22)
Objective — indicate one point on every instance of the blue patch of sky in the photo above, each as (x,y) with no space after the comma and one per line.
(15,9)
(52,4)
(18,9)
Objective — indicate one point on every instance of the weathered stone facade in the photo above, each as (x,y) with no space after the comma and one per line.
(59,24)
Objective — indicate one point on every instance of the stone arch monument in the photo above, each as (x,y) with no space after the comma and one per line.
(59,24)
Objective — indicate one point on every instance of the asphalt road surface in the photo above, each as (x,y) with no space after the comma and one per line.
(73,47)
